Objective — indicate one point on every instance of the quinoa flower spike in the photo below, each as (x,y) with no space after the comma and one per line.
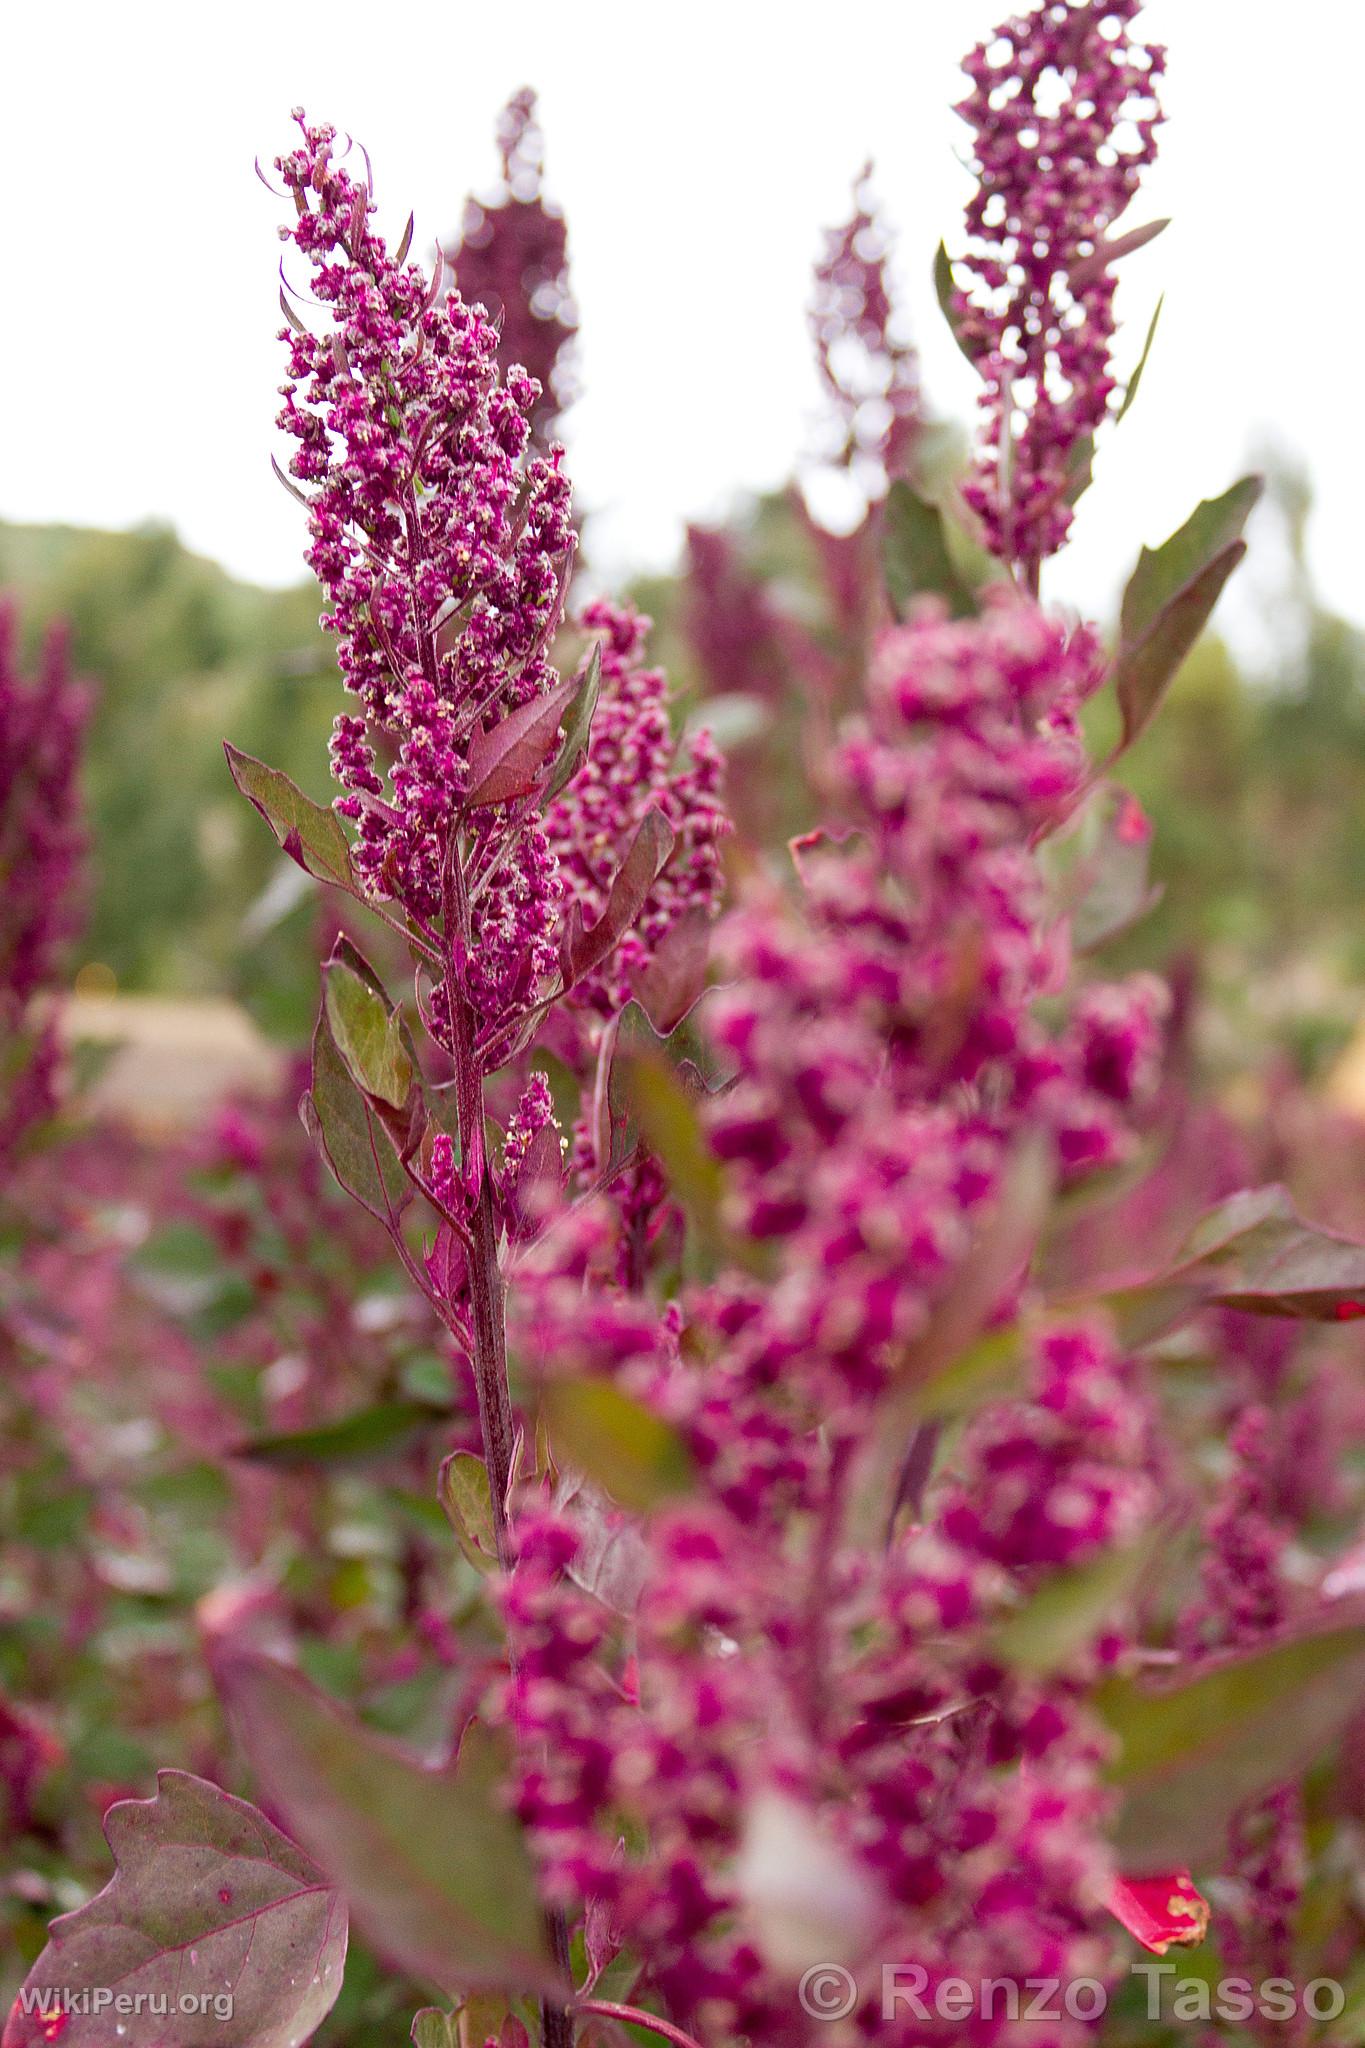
(1063,114)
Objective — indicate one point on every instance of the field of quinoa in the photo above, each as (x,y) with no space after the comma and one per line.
(681,1266)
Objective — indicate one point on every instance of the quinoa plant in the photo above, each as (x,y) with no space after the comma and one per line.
(830,1494)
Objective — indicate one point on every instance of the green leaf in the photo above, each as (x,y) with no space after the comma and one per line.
(577,726)
(668,1121)
(206,1893)
(1080,469)
(349,1133)
(432,2028)
(433,1862)
(1193,1753)
(633,1454)
(1169,598)
(946,293)
(368,1035)
(309,834)
(988,1370)
(369,1433)
(915,555)
(465,1494)
(1135,380)
(1069,1609)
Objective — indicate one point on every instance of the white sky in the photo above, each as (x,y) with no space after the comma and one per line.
(698,151)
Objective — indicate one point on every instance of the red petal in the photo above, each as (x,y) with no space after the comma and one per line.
(1161,1912)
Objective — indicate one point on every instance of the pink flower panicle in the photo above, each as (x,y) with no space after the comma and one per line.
(513,258)
(1245,1595)
(636,762)
(443,549)
(888,1062)
(867,364)
(42,727)
(1064,115)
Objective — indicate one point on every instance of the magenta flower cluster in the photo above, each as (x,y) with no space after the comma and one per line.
(1064,114)
(513,258)
(750,1680)
(868,367)
(443,552)
(636,763)
(42,727)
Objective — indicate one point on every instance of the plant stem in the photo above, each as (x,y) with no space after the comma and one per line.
(636,2016)
(487,1309)
(485,1276)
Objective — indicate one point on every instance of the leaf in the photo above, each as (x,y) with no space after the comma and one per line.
(577,725)
(1169,598)
(207,1899)
(636,1456)
(1080,469)
(1111,889)
(674,979)
(1259,1255)
(1107,254)
(1068,1610)
(668,1121)
(366,1434)
(349,1132)
(580,950)
(464,1492)
(368,1034)
(407,1122)
(1161,1912)
(507,760)
(539,1183)
(1250,1209)
(946,293)
(1007,1234)
(432,2028)
(1135,380)
(915,555)
(1193,1753)
(309,834)
(434,1864)
(612,1559)
(988,1370)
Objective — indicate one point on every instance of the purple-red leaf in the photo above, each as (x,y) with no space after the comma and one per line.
(214,1928)
(432,1861)
(582,950)
(509,758)
(1261,1256)
(540,1180)
(674,980)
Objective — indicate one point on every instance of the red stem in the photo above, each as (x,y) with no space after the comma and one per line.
(636,2016)
(485,1275)
(486,1304)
